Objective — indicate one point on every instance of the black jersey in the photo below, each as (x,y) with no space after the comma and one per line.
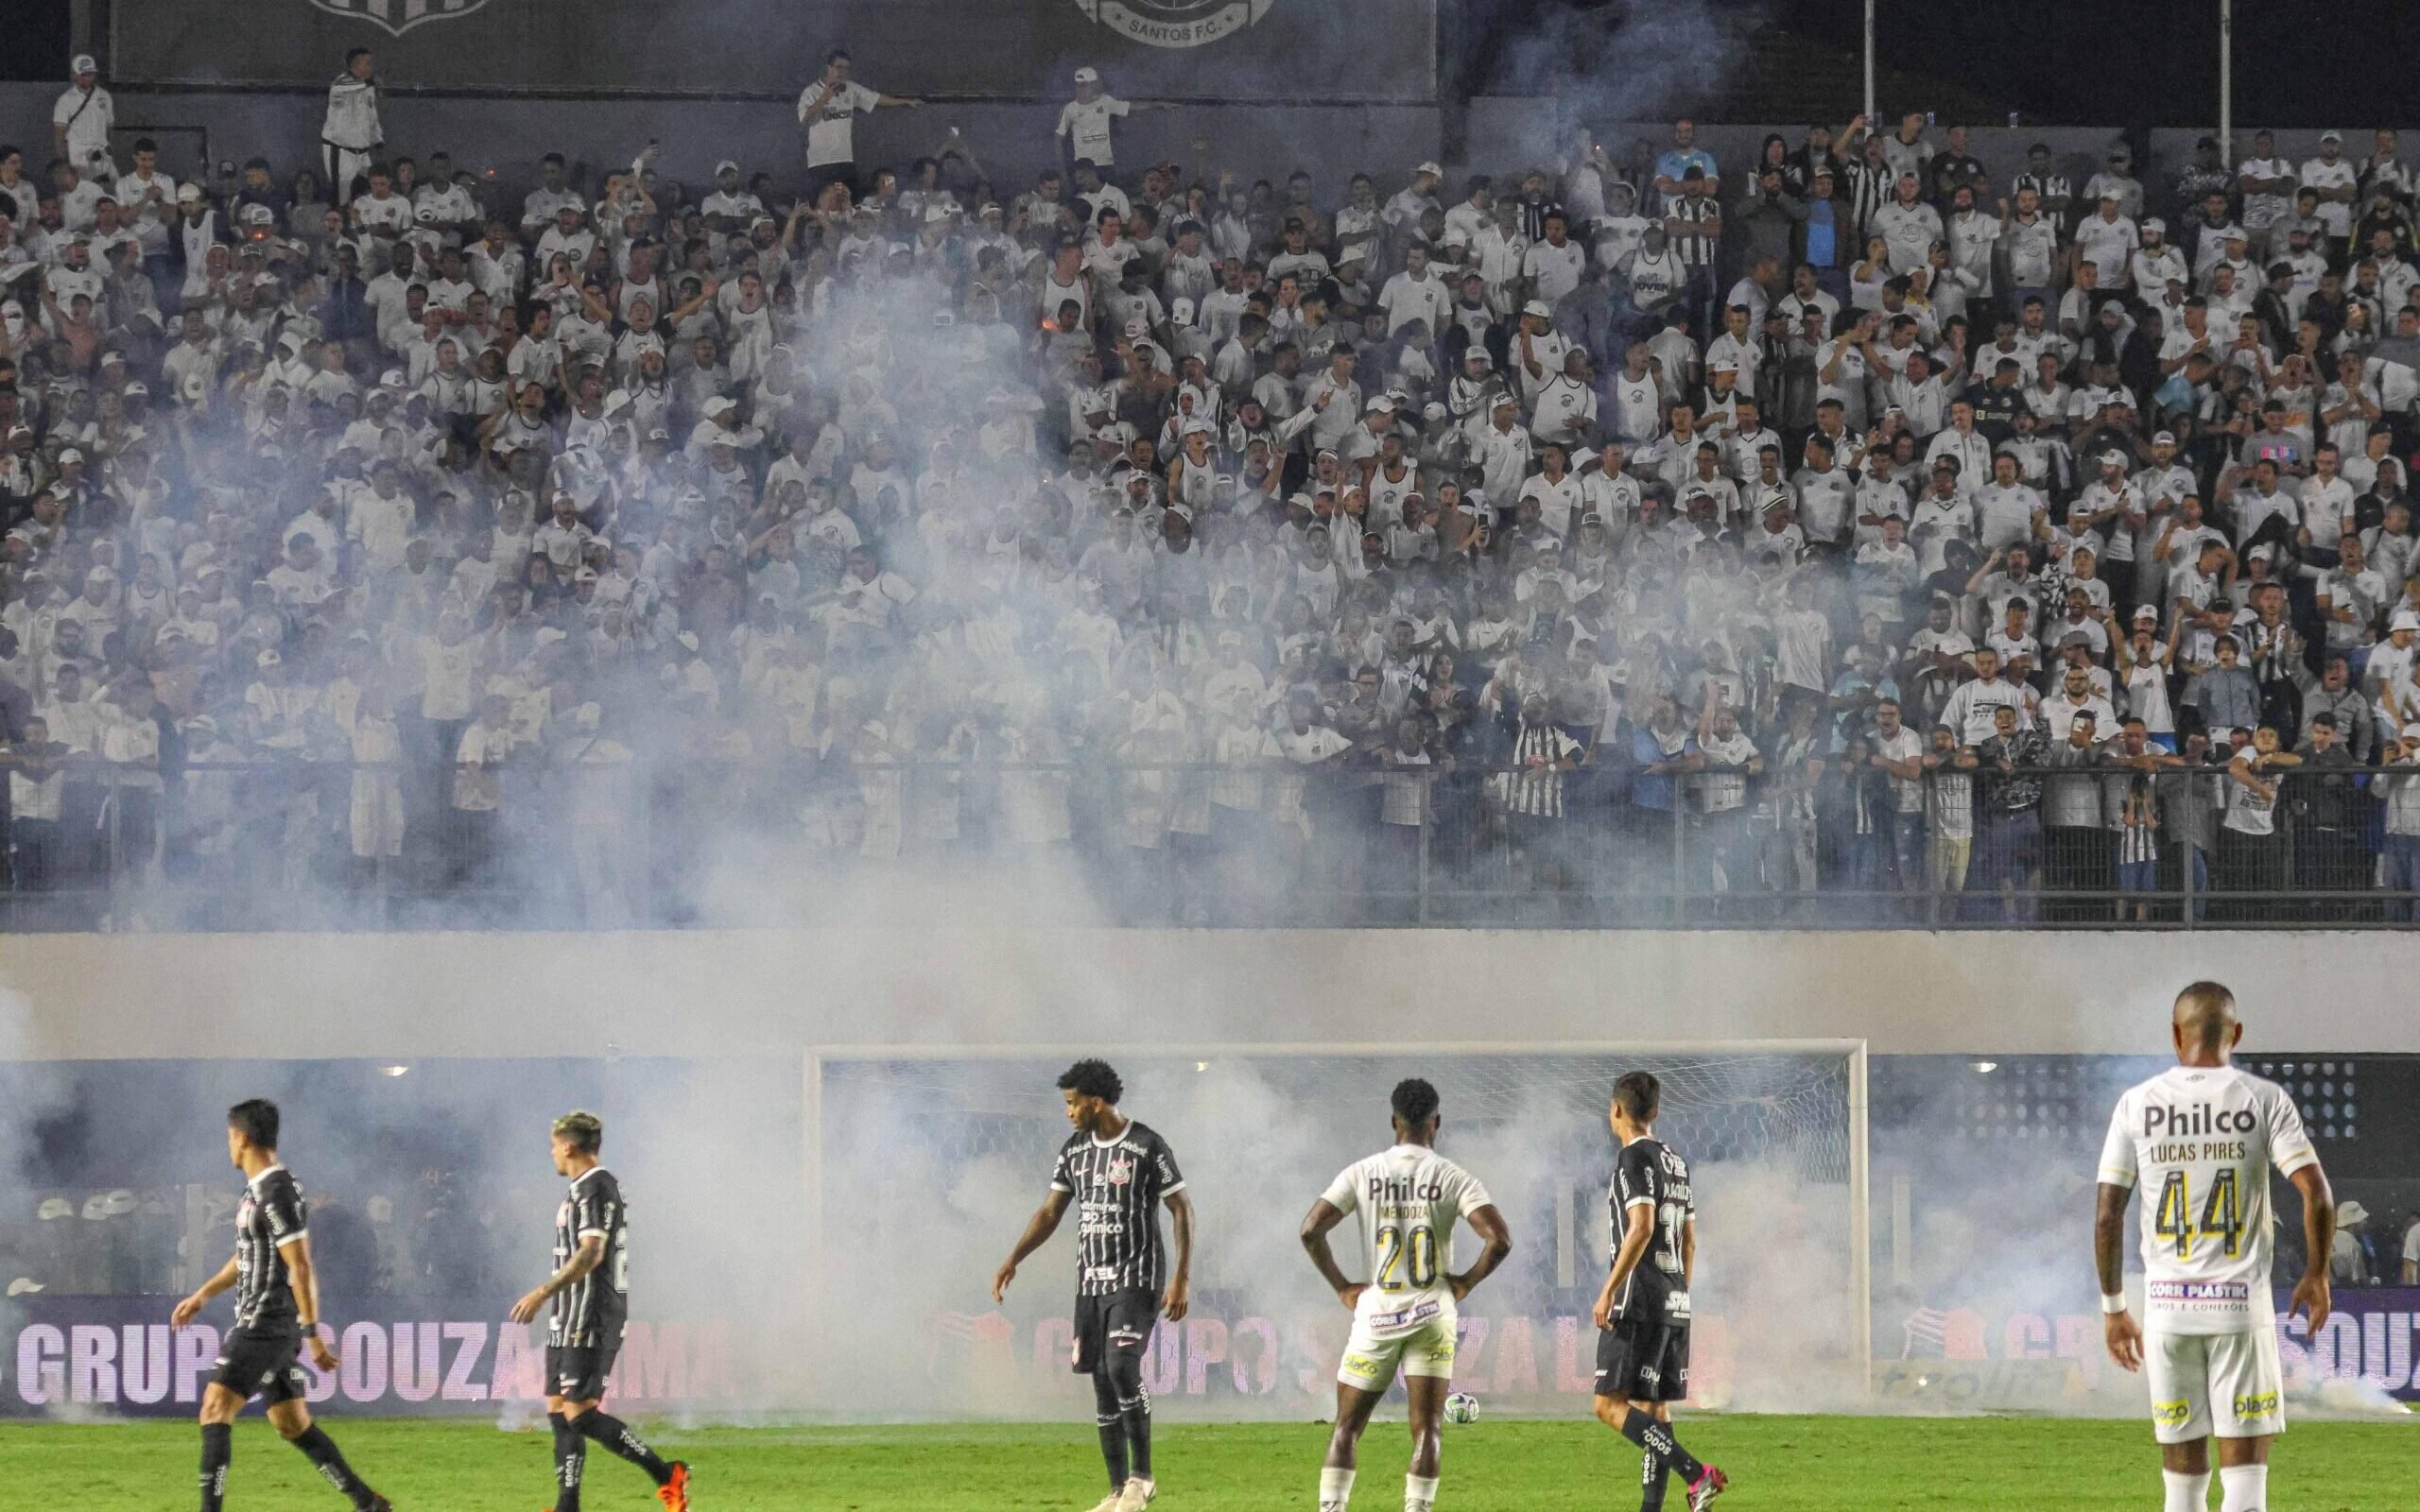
(1117,1185)
(271,1214)
(591,1310)
(1652,1173)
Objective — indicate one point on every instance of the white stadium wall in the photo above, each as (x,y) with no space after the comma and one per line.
(740,994)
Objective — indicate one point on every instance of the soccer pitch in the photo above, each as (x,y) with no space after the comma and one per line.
(1784,1464)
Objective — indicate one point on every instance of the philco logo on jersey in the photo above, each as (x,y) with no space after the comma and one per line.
(2199,1119)
(1175,23)
(1404,1189)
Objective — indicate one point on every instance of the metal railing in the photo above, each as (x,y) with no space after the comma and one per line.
(308,844)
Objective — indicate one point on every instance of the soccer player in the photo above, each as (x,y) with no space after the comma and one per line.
(1643,1350)
(1408,1197)
(277,1308)
(2202,1140)
(590,1292)
(1116,1173)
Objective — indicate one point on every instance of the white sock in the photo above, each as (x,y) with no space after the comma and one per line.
(1419,1493)
(2243,1489)
(2187,1493)
(1335,1489)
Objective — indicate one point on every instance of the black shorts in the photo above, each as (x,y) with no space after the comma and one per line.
(1646,1360)
(1120,1323)
(263,1362)
(577,1372)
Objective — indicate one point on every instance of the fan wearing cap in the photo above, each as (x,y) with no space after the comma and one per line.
(2337,182)
(731,207)
(81,120)
(1084,132)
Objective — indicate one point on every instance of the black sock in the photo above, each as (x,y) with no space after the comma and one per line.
(1111,1424)
(571,1457)
(609,1430)
(218,1448)
(1657,1439)
(321,1450)
(1137,1416)
(1653,1473)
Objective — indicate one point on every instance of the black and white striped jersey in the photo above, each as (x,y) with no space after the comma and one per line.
(591,1310)
(271,1214)
(1119,1185)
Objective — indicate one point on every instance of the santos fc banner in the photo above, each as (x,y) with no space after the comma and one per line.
(1364,50)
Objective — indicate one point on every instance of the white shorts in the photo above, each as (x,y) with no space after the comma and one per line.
(2226,1383)
(1416,1336)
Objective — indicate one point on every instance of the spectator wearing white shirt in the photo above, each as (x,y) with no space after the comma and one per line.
(351,135)
(2337,182)
(1085,131)
(81,121)
(829,109)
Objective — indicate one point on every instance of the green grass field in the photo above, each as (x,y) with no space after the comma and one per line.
(1780,1464)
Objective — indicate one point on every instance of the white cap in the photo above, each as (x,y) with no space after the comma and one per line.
(2331,135)
(1539,308)
(188,194)
(83,64)
(2404,619)
(1431,169)
(722,405)
(726,165)
(2155,223)
(1088,75)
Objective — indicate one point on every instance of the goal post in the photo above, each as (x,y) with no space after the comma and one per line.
(921,1162)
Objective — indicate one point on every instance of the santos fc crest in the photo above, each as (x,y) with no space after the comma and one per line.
(1175,23)
(400,16)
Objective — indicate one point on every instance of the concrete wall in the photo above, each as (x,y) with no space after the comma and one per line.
(1013,141)
(93,996)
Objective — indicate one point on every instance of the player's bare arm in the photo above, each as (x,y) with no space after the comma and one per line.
(1038,1231)
(1316,1224)
(2312,1295)
(590,1254)
(2119,1329)
(1178,1299)
(1638,1231)
(304,1277)
(1495,1242)
(191,1307)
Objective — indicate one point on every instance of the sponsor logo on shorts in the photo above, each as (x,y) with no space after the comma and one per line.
(1118,1337)
(2170,1414)
(1404,1317)
(1360,1365)
(2256,1404)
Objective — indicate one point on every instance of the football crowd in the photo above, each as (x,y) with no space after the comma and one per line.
(1841,525)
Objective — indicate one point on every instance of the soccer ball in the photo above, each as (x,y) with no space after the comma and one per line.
(1461,1408)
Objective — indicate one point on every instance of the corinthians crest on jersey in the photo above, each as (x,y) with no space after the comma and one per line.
(1175,23)
(400,16)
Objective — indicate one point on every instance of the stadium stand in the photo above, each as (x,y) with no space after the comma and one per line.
(1840,537)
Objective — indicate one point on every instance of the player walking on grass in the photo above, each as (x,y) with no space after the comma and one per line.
(2202,1139)
(1408,1197)
(590,1292)
(1116,1173)
(277,1310)
(1643,1353)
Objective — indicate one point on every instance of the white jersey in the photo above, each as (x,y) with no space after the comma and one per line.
(1409,1198)
(2202,1141)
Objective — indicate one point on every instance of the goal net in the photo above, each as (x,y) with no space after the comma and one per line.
(925,1167)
